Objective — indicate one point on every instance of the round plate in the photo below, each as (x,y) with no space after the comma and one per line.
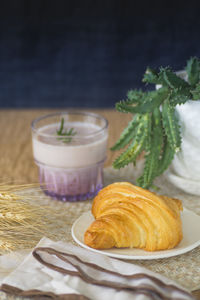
(191,239)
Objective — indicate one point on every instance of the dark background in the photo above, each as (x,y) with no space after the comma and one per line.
(89,53)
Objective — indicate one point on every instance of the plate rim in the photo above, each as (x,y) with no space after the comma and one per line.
(175,252)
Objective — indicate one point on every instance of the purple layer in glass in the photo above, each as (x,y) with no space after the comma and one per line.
(72,185)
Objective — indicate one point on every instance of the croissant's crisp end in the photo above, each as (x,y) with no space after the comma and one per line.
(98,240)
(129,216)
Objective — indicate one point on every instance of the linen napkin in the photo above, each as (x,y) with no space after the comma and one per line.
(61,270)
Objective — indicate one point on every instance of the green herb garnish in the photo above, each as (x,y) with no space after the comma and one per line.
(66,135)
(155,127)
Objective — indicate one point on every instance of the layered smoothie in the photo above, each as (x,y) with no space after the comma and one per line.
(70,169)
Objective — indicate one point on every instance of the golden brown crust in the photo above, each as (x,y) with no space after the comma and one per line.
(129,216)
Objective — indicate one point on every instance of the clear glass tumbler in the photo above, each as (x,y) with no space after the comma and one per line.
(70,149)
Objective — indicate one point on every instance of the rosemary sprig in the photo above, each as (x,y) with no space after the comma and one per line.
(65,135)
(155,127)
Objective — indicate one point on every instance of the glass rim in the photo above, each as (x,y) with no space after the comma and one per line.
(70,112)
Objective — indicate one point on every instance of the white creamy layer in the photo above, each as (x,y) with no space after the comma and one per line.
(77,153)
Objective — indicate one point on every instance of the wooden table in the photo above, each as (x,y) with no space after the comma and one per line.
(16,160)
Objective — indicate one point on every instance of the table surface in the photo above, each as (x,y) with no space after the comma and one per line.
(16,160)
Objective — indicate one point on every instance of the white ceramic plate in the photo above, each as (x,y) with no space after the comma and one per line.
(191,239)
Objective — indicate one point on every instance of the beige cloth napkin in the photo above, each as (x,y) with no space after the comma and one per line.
(63,271)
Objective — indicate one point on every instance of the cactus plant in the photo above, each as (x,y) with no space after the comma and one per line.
(155,127)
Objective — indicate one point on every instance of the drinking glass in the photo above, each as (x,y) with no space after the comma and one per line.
(69,149)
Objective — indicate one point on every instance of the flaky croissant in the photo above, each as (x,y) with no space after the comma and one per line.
(130,216)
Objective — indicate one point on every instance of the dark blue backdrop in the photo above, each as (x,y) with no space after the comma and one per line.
(89,53)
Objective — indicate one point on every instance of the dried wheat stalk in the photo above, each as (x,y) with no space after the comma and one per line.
(22,223)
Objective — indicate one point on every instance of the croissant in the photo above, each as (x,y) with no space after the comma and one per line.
(129,216)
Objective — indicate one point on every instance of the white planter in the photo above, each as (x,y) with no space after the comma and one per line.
(185,169)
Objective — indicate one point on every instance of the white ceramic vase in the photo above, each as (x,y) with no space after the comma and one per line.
(185,169)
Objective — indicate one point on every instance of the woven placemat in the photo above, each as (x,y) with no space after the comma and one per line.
(184,269)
